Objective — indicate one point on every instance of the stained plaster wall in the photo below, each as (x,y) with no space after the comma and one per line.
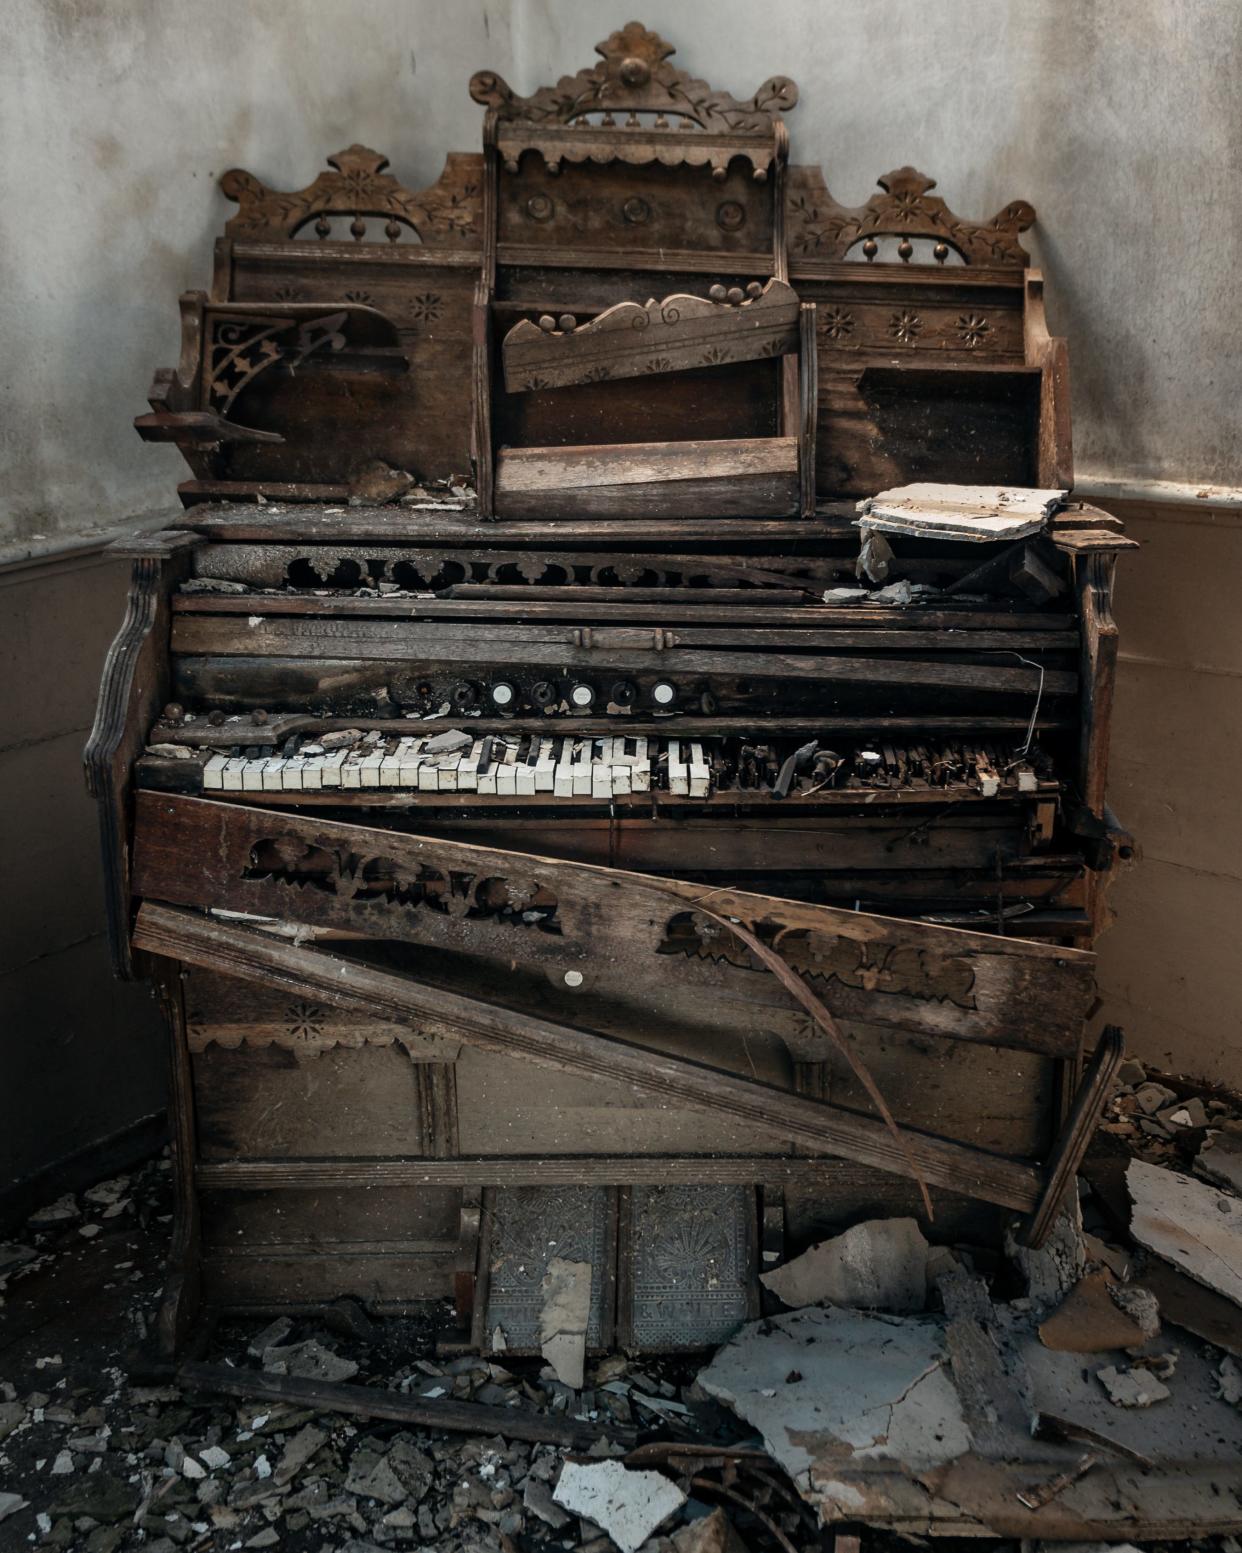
(1116,118)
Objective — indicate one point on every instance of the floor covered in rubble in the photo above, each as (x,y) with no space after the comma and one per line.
(1118,1345)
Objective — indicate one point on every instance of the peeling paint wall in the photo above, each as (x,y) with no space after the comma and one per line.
(118,118)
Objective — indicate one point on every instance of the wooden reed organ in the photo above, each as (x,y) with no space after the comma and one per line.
(502,739)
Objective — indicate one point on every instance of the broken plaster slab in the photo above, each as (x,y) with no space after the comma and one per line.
(1193,1225)
(1220,1161)
(628,1505)
(823,1385)
(564,1317)
(976,512)
(878,1265)
(1099,1314)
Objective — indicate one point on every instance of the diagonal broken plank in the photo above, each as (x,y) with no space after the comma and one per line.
(255,956)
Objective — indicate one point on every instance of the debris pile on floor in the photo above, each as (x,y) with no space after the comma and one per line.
(1090,1389)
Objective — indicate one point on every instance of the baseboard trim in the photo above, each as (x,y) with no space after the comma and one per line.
(96,1161)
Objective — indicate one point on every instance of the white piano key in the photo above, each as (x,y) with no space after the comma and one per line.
(291,774)
(468,771)
(447,774)
(351,771)
(678,776)
(271,774)
(213,772)
(640,774)
(563,782)
(252,775)
(389,768)
(330,769)
(409,758)
(487,779)
(582,768)
(601,768)
(369,768)
(622,767)
(232,774)
(700,773)
(506,770)
(545,767)
(312,773)
(525,771)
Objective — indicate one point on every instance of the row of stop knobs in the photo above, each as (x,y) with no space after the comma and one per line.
(505,696)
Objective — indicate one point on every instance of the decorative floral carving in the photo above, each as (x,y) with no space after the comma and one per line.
(905,326)
(447,212)
(821,228)
(288,293)
(838,324)
(305,1021)
(425,309)
(973,328)
(361,297)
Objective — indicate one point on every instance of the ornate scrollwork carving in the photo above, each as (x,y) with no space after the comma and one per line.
(648,110)
(820,228)
(383,882)
(449,212)
(239,349)
(635,78)
(892,968)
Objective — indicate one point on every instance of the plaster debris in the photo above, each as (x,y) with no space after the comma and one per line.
(1053,1270)
(1151,1098)
(309,1359)
(1131,1388)
(628,1505)
(1099,1314)
(537,1498)
(563,1320)
(879,1265)
(1191,1224)
(63,1211)
(10,1504)
(868,1386)
(1220,1160)
(976,512)
(1229,1381)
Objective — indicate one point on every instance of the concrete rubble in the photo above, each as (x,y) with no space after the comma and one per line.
(917,1390)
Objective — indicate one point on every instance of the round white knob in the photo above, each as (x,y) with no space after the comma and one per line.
(582,695)
(663,694)
(503,694)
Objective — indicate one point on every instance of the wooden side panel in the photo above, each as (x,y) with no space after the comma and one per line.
(334,421)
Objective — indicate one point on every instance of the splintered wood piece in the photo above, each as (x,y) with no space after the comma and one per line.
(511,1423)
(255,956)
(636,339)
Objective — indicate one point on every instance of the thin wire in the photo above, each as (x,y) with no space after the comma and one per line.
(1039,696)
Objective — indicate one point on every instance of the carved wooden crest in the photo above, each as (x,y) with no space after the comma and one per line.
(819,228)
(631,339)
(649,111)
(446,213)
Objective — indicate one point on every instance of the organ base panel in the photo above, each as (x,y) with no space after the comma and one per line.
(541,816)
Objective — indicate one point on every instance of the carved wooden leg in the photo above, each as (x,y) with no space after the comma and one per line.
(181,1299)
(1071,1145)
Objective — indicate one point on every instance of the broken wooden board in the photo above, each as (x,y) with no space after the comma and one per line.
(607,939)
(251,954)
(721,478)
(974,512)
(635,339)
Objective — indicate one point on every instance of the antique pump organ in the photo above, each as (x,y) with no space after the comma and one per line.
(536,827)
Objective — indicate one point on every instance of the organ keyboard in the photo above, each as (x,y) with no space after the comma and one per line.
(595,766)
(499,799)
